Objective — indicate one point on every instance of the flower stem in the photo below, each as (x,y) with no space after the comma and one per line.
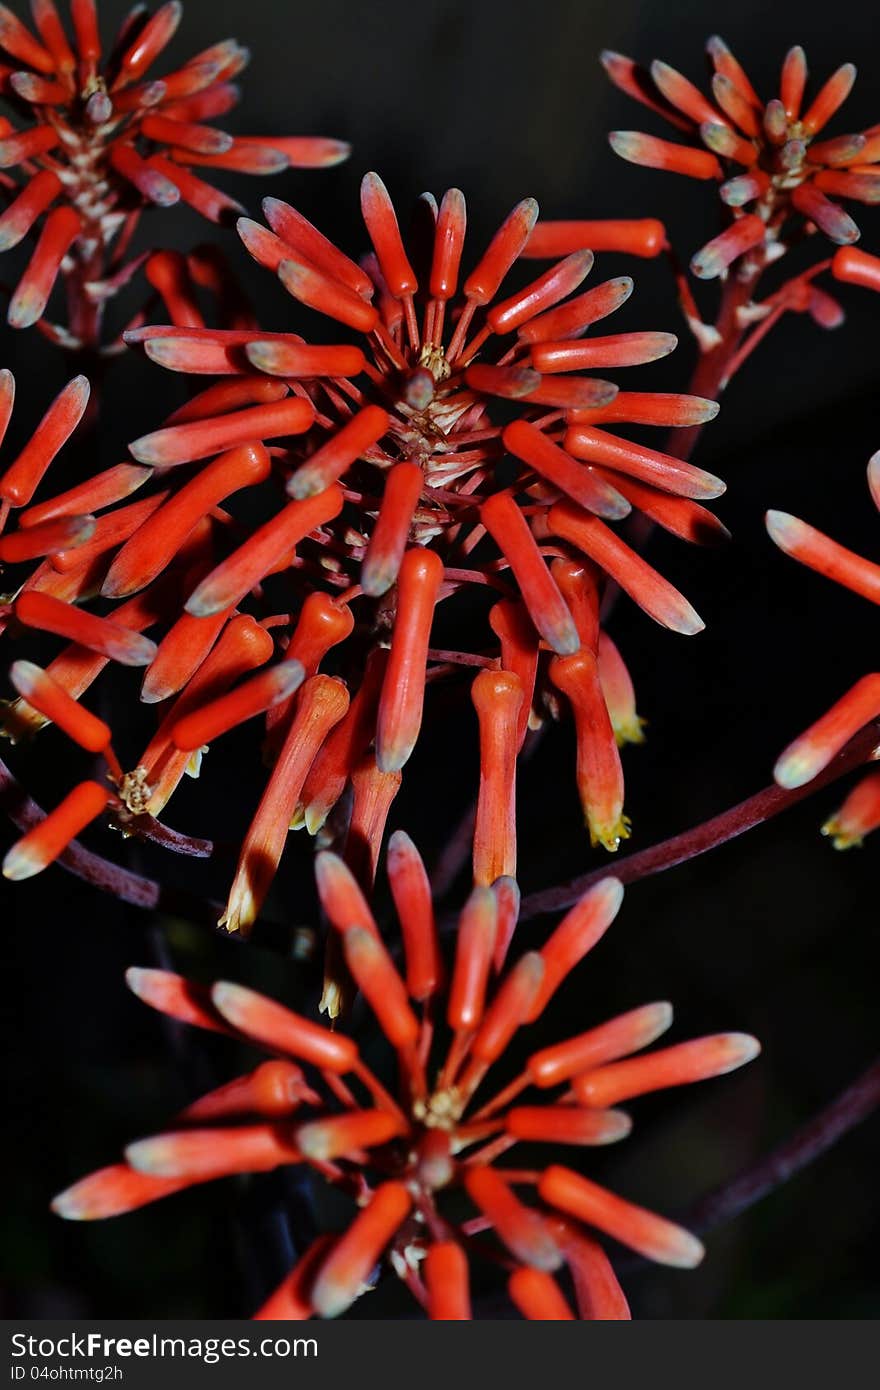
(808,1143)
(757,809)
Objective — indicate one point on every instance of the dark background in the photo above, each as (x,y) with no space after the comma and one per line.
(775,934)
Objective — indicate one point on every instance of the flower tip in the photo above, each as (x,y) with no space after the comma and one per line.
(784,529)
(684,1250)
(796,766)
(148,1156)
(874,478)
(20,864)
(739,1049)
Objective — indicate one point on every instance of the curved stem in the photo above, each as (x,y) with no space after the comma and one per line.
(807,1144)
(128,887)
(757,809)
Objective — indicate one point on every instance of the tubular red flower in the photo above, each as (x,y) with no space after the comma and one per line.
(473,956)
(248,700)
(155,543)
(415,911)
(433,1142)
(377,978)
(350,1261)
(628,1033)
(547,610)
(808,755)
(282,1030)
(98,634)
(322,702)
(42,845)
(54,703)
(599,772)
(672,1066)
(446,1278)
(858,816)
(576,935)
(274,1089)
(403,688)
(565,1124)
(108,141)
(786,168)
(538,1296)
(525,1233)
(650,1235)
(644,585)
(497,698)
(644,237)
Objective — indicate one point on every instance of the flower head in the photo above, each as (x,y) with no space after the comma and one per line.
(774,164)
(423,1170)
(809,754)
(450,439)
(98,138)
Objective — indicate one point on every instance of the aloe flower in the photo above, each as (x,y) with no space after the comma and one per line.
(775,167)
(97,138)
(393,439)
(423,1168)
(814,749)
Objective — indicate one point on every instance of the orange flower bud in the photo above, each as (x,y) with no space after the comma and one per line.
(351,1260)
(291,1301)
(525,1233)
(202,1154)
(652,1236)
(282,1030)
(653,153)
(474,946)
(538,1296)
(335,457)
(246,701)
(387,544)
(156,542)
(381,223)
(505,247)
(581,484)
(99,634)
(197,439)
(42,844)
(377,978)
(22,478)
(508,527)
(411,892)
(635,576)
(403,689)
(322,1140)
(565,1124)
(446,1278)
(235,576)
(576,935)
(322,702)
(617,1038)
(497,698)
(599,772)
(54,703)
(112,1192)
(275,1089)
(672,1066)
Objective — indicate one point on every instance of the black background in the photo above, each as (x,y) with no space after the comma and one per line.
(775,933)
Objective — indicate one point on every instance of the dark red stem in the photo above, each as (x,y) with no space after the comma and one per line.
(763,806)
(807,1144)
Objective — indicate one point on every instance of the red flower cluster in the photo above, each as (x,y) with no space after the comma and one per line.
(97,140)
(765,154)
(396,471)
(813,750)
(399,1159)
